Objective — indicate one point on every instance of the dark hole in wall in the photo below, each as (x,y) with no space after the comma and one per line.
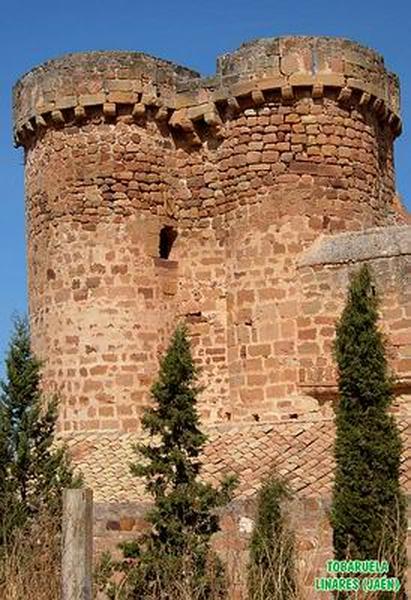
(195,317)
(168,236)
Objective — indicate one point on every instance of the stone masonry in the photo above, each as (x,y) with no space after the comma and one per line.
(240,203)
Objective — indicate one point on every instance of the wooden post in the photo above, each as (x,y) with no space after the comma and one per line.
(77,549)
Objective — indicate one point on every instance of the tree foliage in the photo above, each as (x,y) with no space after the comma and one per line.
(176,548)
(33,470)
(368,512)
(272,565)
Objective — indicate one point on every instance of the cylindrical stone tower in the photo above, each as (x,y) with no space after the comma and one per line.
(155,195)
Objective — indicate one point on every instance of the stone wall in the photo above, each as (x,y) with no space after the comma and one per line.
(308,519)
(324,273)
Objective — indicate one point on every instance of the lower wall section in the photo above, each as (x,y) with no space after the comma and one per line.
(300,450)
(309,519)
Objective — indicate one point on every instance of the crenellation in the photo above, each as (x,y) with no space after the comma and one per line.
(286,64)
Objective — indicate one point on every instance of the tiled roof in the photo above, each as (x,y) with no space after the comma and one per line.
(301,450)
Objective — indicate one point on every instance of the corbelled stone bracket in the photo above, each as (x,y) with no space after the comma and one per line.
(162,91)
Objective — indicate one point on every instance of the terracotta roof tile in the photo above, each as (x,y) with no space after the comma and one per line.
(303,452)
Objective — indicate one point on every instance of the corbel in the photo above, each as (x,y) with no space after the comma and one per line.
(344,95)
(109,109)
(57,117)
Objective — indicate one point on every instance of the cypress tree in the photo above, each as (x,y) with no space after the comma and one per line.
(272,566)
(368,511)
(33,470)
(176,548)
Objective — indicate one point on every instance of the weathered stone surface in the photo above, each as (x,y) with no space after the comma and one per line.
(356,246)
(93,78)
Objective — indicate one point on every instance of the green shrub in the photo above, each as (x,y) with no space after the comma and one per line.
(272,567)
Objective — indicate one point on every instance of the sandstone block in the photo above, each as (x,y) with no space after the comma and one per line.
(122,97)
(92,99)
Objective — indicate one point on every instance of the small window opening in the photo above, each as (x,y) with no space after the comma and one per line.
(256,417)
(168,236)
(195,317)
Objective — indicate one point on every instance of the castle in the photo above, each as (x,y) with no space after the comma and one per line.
(240,203)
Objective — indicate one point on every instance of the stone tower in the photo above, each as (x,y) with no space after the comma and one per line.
(238,202)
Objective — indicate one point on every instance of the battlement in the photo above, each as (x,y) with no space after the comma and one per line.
(70,88)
